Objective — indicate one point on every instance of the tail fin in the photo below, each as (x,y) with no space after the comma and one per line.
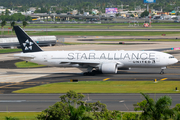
(27,44)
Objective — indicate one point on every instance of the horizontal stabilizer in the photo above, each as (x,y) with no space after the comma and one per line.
(23,56)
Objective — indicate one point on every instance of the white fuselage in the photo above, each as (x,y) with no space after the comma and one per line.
(96,58)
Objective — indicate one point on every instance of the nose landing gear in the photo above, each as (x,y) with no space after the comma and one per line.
(162,70)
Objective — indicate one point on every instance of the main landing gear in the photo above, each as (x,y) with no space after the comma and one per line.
(94,72)
(162,70)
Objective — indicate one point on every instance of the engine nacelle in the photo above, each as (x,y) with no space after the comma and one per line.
(109,68)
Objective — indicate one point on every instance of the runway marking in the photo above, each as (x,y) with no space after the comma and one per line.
(12,100)
(164,79)
(106,79)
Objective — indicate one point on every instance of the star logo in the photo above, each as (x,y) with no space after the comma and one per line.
(28,45)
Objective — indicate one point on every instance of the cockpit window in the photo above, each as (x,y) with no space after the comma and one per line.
(171,57)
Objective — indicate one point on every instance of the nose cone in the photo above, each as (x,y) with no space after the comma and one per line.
(175,61)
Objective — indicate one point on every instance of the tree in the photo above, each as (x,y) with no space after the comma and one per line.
(155,110)
(145,13)
(58,11)
(67,108)
(118,14)
(24,24)
(15,17)
(7,12)
(132,15)
(177,13)
(71,107)
(28,18)
(3,23)
(11,118)
(2,13)
(12,25)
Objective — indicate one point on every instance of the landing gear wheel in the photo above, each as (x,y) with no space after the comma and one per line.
(161,72)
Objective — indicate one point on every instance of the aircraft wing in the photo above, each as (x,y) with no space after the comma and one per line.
(89,62)
(80,62)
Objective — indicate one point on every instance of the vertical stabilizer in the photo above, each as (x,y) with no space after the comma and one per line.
(27,44)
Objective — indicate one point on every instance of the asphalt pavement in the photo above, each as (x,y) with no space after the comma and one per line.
(39,102)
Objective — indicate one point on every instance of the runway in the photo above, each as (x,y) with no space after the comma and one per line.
(39,102)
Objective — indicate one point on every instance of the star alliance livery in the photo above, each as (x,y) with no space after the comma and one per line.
(95,61)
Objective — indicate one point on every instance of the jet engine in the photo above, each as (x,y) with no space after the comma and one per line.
(109,68)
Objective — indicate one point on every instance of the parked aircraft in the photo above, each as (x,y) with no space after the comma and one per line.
(95,61)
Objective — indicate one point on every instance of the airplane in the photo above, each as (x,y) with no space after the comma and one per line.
(106,62)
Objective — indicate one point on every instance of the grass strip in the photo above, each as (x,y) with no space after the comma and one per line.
(100,33)
(140,26)
(104,33)
(24,64)
(154,40)
(85,24)
(106,87)
(9,50)
(19,115)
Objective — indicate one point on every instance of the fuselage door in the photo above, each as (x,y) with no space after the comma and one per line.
(158,58)
(45,58)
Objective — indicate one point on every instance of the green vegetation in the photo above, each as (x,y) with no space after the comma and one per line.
(15,17)
(157,109)
(145,13)
(71,107)
(106,87)
(103,33)
(65,6)
(99,26)
(153,40)
(19,115)
(99,33)
(24,64)
(9,50)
